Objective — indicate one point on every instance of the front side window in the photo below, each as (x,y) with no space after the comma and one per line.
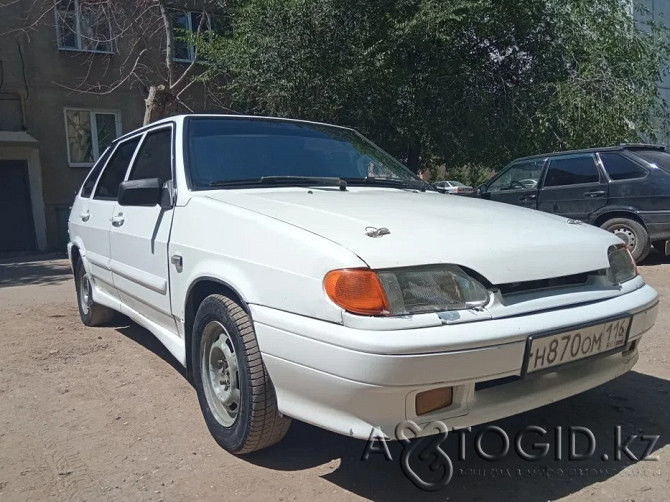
(230,152)
(89,132)
(115,172)
(185,25)
(83,25)
(154,158)
(523,175)
(572,170)
(619,167)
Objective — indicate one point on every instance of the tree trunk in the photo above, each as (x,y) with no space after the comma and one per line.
(413,154)
(156,103)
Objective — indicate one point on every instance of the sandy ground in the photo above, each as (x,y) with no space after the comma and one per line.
(106,414)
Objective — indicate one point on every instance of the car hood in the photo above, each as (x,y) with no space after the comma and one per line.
(502,242)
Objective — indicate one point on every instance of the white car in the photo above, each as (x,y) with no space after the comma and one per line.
(291,283)
(454,187)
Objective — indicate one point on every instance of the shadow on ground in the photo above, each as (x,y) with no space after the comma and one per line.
(655,258)
(143,337)
(632,402)
(34,270)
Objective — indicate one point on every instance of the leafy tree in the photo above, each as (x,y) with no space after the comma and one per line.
(449,82)
(140,40)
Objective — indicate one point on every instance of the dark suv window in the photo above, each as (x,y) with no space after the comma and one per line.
(523,175)
(115,172)
(89,183)
(572,170)
(154,158)
(658,157)
(619,167)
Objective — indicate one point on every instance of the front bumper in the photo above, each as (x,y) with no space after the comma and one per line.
(348,381)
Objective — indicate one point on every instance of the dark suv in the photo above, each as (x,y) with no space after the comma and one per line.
(624,189)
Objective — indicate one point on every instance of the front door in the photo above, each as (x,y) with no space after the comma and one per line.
(139,237)
(18,231)
(573,187)
(517,184)
(92,216)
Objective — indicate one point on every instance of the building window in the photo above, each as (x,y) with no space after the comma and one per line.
(89,132)
(185,25)
(83,25)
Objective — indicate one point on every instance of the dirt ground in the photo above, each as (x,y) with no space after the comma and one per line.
(106,414)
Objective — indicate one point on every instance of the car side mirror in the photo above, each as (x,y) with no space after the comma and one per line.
(145,192)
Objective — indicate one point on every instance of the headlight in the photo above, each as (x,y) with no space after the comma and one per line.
(403,291)
(622,265)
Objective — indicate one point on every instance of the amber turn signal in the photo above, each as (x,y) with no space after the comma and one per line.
(433,400)
(357,290)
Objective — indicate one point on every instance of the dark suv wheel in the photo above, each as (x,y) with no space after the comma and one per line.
(632,233)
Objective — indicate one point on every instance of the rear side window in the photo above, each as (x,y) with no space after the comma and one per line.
(574,170)
(658,157)
(619,167)
(115,172)
(154,158)
(89,183)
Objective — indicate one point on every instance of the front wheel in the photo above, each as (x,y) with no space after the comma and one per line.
(633,234)
(91,313)
(235,392)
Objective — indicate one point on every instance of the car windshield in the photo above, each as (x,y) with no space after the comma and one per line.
(234,152)
(456,184)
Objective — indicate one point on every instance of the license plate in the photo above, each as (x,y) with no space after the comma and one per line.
(548,351)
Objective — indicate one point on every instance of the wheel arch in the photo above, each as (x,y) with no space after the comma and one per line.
(618,213)
(200,289)
(75,257)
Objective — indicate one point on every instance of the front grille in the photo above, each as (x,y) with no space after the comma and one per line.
(555,282)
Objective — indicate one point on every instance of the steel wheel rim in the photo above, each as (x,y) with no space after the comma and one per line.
(219,369)
(85,294)
(627,235)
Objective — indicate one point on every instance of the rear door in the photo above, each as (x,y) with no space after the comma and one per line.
(573,187)
(91,218)
(139,236)
(517,184)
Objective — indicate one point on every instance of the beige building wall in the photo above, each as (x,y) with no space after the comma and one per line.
(37,82)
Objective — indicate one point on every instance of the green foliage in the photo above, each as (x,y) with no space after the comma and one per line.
(449,82)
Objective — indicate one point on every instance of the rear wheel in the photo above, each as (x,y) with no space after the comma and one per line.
(632,233)
(91,313)
(235,392)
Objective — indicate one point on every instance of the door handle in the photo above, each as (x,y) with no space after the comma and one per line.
(528,197)
(117,220)
(85,216)
(594,194)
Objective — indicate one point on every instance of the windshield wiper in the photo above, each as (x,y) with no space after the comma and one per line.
(392,182)
(284,180)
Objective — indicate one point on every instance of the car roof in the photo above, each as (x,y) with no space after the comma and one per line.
(182,117)
(616,148)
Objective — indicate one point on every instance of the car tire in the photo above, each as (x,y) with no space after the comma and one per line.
(632,233)
(236,395)
(91,313)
